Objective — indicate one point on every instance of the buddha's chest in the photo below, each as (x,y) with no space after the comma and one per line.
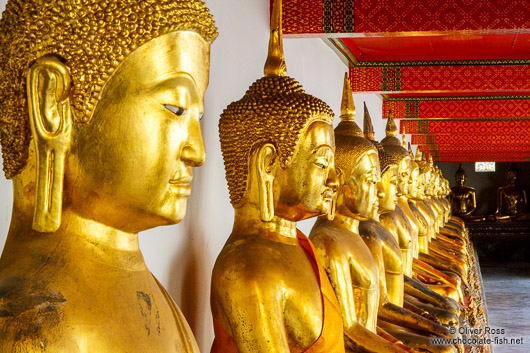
(137,320)
(102,319)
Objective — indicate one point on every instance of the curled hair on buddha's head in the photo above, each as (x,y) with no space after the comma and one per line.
(391,143)
(275,110)
(92,37)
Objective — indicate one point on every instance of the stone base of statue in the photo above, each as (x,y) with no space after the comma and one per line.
(501,240)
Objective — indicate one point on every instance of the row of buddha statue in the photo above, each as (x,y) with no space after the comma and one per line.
(100,141)
(511,203)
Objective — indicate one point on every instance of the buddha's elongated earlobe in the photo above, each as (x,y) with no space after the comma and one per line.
(332,208)
(333,182)
(48,90)
(265,173)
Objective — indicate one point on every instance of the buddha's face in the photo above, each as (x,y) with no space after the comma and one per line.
(421,186)
(306,188)
(414,180)
(511,177)
(403,176)
(460,179)
(363,187)
(389,181)
(427,183)
(131,166)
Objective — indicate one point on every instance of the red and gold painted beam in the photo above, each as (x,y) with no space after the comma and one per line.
(306,17)
(466,126)
(441,79)
(480,157)
(458,107)
(450,139)
(521,149)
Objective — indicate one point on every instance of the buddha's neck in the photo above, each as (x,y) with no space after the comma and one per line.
(80,238)
(350,223)
(247,220)
(97,233)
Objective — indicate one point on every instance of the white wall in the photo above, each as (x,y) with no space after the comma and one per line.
(182,256)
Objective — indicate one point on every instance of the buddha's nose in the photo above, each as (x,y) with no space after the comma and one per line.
(332,182)
(194,152)
(380,190)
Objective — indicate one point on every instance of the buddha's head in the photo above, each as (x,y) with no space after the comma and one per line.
(425,174)
(511,175)
(107,96)
(388,165)
(460,176)
(417,179)
(278,145)
(357,163)
(436,182)
(389,181)
(394,148)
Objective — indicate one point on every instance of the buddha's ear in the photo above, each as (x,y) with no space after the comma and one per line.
(48,90)
(266,170)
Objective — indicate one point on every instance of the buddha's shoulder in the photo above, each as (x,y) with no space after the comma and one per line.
(328,232)
(251,258)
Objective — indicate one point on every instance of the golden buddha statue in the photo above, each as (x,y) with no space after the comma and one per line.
(511,200)
(399,219)
(91,168)
(269,292)
(349,263)
(397,216)
(357,271)
(430,264)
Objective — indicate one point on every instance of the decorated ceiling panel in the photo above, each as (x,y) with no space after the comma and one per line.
(466,127)
(457,107)
(442,80)
(456,72)
(381,16)
(453,139)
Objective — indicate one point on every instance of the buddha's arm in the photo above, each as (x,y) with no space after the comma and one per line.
(500,198)
(251,312)
(340,272)
(393,270)
(337,267)
(470,202)
(524,201)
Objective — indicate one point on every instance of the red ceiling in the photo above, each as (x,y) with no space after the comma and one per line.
(405,47)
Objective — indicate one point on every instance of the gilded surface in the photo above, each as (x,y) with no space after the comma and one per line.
(35,28)
(114,136)
(351,268)
(278,146)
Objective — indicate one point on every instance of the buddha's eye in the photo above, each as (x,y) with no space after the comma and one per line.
(178,111)
(320,165)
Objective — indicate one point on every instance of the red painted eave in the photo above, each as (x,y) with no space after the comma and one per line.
(445,47)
